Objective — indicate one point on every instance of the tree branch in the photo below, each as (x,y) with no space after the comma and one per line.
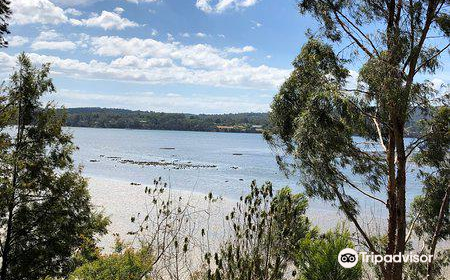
(361,191)
(433,57)
(354,220)
(444,208)
(408,236)
(347,30)
(360,31)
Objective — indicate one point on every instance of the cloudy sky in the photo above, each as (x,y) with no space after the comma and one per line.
(196,56)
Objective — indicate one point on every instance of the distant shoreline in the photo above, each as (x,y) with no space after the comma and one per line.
(124,128)
(128,119)
(254,123)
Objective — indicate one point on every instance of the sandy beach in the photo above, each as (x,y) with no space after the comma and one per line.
(120,200)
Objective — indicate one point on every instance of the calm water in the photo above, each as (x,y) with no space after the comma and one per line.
(231,177)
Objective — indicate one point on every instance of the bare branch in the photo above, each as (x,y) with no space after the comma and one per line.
(360,31)
(411,147)
(350,34)
(408,236)
(354,220)
(344,178)
(380,135)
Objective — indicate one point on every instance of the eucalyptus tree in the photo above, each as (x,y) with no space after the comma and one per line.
(45,209)
(5,13)
(316,113)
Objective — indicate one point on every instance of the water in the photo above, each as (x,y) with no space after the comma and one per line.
(239,157)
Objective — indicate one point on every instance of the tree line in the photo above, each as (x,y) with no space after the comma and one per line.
(120,118)
(238,122)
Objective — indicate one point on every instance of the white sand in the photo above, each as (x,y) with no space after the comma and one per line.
(120,201)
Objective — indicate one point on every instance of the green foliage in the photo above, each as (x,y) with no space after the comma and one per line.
(266,234)
(313,121)
(440,268)
(5,13)
(316,114)
(45,209)
(434,152)
(119,118)
(125,263)
(317,258)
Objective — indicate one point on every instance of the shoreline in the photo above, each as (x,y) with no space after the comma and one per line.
(121,199)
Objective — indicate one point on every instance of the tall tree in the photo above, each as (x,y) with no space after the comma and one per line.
(5,13)
(315,114)
(45,208)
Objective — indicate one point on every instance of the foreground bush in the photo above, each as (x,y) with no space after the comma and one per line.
(124,264)
(267,231)
(317,258)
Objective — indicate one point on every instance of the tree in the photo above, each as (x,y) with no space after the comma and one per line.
(315,115)
(5,13)
(45,208)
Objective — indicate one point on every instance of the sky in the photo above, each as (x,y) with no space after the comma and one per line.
(191,56)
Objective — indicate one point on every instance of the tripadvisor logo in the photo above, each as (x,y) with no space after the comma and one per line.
(348,258)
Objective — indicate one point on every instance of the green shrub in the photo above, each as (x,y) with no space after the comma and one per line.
(124,264)
(317,258)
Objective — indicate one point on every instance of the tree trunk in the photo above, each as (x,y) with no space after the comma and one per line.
(391,203)
(401,197)
(12,201)
(7,245)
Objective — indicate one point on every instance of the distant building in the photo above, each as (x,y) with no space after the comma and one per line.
(225,127)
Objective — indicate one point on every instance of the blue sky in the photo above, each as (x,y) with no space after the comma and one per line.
(195,56)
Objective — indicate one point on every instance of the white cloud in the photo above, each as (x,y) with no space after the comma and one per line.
(119,10)
(191,65)
(204,5)
(72,3)
(256,24)
(136,62)
(53,45)
(109,20)
(185,35)
(154,32)
(45,12)
(47,35)
(73,12)
(220,6)
(170,37)
(37,11)
(17,41)
(221,35)
(154,61)
(241,50)
(200,35)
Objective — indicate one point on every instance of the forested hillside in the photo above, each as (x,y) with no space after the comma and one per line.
(120,118)
(129,119)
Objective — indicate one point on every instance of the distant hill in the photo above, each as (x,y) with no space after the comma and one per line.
(121,118)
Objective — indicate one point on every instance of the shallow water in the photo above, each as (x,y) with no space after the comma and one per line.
(239,158)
